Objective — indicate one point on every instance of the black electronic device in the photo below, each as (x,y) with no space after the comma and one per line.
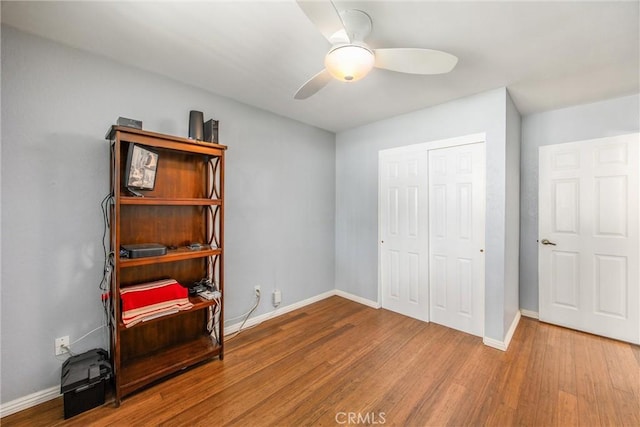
(130,123)
(201,285)
(196,289)
(195,125)
(211,131)
(144,250)
(83,379)
(141,168)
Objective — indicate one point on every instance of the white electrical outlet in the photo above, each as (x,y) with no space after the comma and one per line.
(277,297)
(62,345)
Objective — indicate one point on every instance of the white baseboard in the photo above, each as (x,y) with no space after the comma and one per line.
(529,313)
(355,298)
(512,330)
(490,342)
(28,401)
(278,312)
(504,345)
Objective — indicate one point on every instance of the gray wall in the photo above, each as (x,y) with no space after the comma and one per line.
(357,191)
(606,118)
(57,104)
(512,223)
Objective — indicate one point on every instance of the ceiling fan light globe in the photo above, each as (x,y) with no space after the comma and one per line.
(349,63)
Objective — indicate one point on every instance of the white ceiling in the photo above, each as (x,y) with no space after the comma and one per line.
(548,54)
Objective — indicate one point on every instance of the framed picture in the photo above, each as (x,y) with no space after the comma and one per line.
(142,165)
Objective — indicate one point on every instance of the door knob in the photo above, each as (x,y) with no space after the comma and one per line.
(547,242)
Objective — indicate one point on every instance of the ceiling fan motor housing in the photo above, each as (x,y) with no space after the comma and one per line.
(357,24)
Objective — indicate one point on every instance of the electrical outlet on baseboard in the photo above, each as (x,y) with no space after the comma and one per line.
(277,297)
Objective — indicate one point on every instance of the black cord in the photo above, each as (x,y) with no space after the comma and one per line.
(108,264)
(108,256)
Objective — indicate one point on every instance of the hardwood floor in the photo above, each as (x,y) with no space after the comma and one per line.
(337,362)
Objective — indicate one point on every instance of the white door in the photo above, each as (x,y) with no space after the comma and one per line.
(403,233)
(456,236)
(589,250)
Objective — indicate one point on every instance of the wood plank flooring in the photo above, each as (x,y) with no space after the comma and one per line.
(337,362)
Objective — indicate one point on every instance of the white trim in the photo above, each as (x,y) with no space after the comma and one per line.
(512,329)
(490,342)
(28,401)
(278,312)
(355,298)
(503,345)
(529,313)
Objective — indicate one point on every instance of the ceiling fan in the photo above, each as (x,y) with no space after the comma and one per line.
(349,59)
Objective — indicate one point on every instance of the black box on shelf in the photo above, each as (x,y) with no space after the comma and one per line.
(145,250)
(83,381)
(211,131)
(130,123)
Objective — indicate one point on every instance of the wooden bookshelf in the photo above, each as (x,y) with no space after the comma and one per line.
(186,206)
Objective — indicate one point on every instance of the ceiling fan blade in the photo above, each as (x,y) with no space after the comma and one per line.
(324,15)
(313,85)
(415,61)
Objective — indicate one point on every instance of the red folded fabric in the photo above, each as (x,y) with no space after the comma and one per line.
(149,300)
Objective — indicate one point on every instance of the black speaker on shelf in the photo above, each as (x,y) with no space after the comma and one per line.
(211,131)
(196,124)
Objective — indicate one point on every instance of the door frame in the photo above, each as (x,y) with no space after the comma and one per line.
(416,148)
